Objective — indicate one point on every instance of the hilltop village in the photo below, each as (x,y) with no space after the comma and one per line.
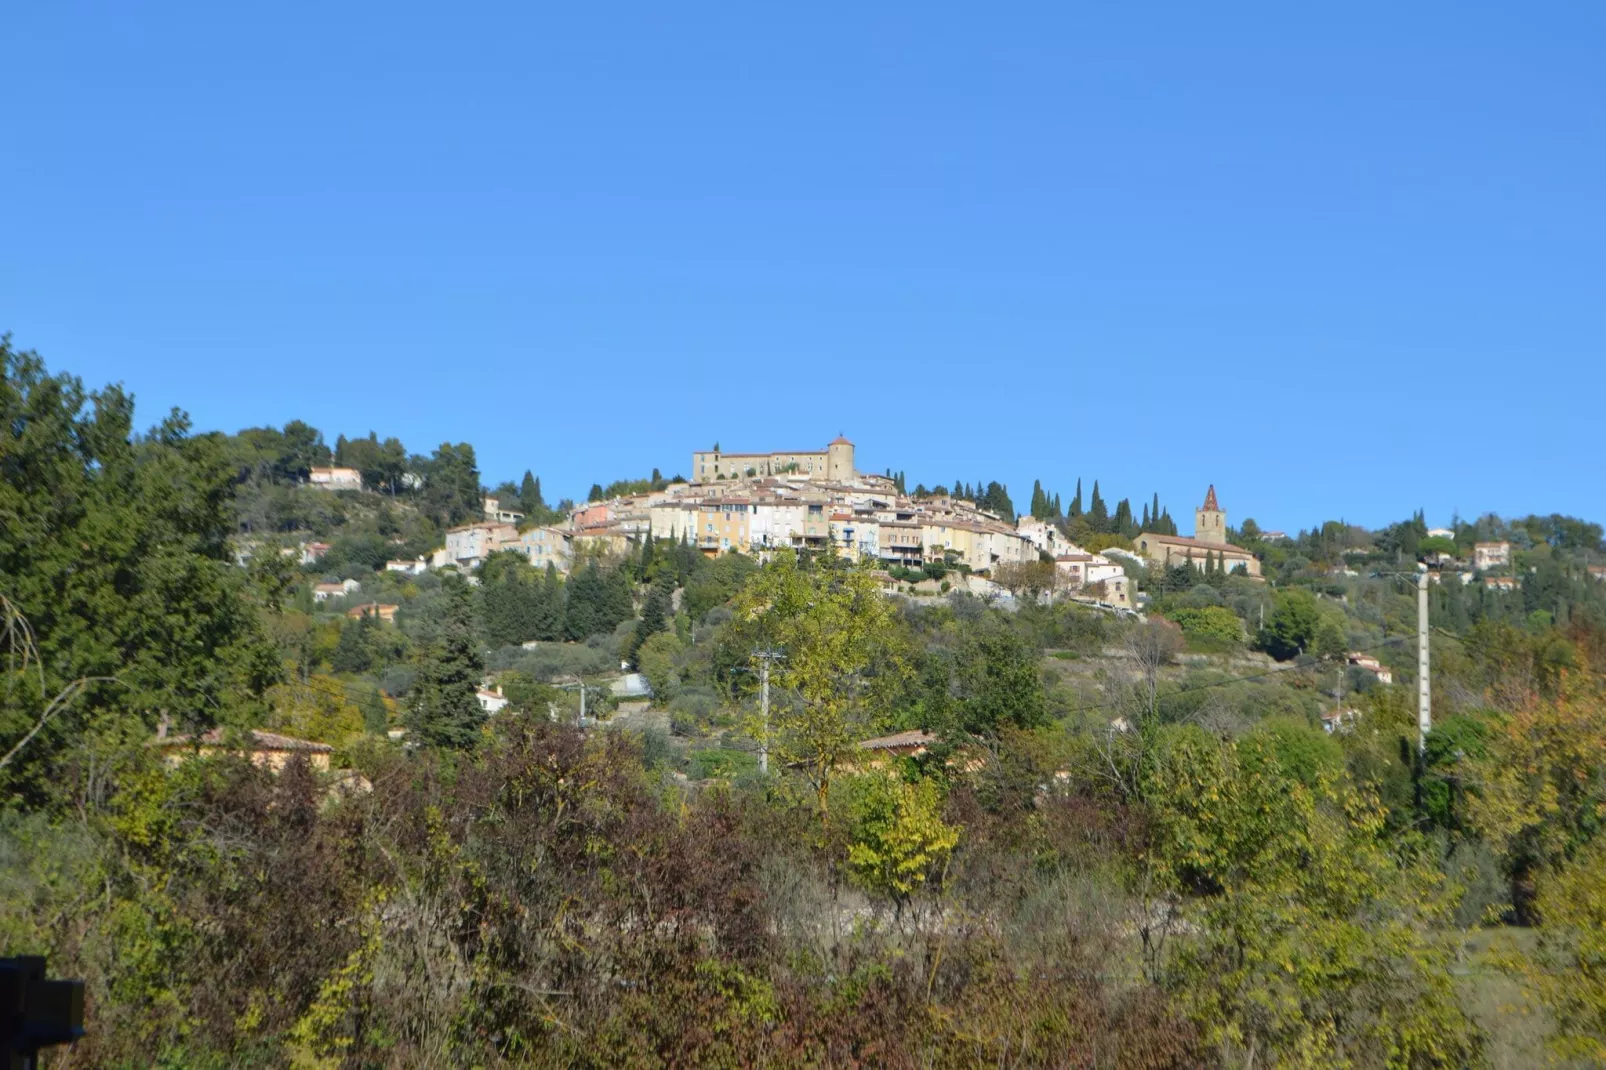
(817,501)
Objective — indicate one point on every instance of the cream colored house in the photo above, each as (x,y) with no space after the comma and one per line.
(267,749)
(468,545)
(335,478)
(547,546)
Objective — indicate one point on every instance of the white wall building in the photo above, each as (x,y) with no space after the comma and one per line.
(335,478)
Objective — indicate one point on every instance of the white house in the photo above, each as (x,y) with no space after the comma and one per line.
(411,568)
(491,701)
(469,545)
(1042,534)
(1487,555)
(335,478)
(322,592)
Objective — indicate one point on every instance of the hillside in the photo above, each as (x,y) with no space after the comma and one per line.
(295,773)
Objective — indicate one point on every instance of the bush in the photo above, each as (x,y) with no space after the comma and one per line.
(1215,624)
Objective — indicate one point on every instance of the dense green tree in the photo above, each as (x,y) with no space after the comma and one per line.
(1098,515)
(654,619)
(996,500)
(355,651)
(996,681)
(375,717)
(452,493)
(115,549)
(1292,626)
(1076,502)
(443,710)
(303,451)
(530,496)
(548,624)
(597,601)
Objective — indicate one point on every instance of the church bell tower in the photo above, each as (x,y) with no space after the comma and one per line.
(1210,520)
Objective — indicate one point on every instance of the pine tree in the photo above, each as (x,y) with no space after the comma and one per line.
(1076,502)
(340,449)
(444,711)
(596,493)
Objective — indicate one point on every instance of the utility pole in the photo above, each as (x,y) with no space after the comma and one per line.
(764,658)
(579,685)
(1424,692)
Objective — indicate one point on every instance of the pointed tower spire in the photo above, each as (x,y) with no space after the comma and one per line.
(1210,499)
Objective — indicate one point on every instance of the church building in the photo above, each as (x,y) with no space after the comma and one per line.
(1208,545)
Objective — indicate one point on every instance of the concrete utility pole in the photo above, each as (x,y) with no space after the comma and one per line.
(1424,693)
(579,685)
(764,658)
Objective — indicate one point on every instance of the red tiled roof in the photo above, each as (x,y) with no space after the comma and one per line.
(912,738)
(260,740)
(1196,544)
(840,441)
(1210,499)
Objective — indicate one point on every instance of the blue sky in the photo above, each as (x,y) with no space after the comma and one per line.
(1341,263)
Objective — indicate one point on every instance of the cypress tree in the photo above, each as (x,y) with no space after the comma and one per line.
(1039,503)
(1076,502)
(654,618)
(1143,525)
(548,623)
(375,718)
(530,495)
(444,711)
(1058,512)
(1154,510)
(583,608)
(1097,514)
(354,651)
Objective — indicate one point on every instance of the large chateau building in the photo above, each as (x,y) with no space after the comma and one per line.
(1208,545)
(833,464)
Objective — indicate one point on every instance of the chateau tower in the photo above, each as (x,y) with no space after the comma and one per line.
(1210,520)
(839,460)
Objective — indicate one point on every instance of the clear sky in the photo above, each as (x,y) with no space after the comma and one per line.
(1341,263)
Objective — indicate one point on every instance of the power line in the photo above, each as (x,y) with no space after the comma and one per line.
(1237,679)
